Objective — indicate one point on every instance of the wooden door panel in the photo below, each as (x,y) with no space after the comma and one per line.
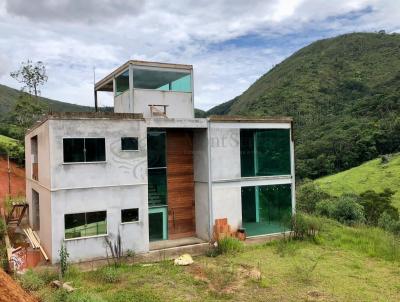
(180,178)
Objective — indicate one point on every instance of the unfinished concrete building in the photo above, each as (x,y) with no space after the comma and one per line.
(152,172)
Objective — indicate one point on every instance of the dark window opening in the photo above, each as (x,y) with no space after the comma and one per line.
(84,150)
(129,143)
(85,224)
(129,215)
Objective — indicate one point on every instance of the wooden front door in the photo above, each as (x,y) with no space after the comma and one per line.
(181,211)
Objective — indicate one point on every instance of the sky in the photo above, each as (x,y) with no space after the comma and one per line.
(230,43)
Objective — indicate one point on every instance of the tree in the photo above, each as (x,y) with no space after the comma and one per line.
(32,75)
(26,111)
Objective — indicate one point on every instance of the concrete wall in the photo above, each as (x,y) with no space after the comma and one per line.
(122,103)
(225,153)
(120,168)
(118,183)
(226,170)
(201,177)
(42,185)
(180,104)
(112,199)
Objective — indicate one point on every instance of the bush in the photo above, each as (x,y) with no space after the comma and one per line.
(325,208)
(305,226)
(229,245)
(308,195)
(375,204)
(3,228)
(31,281)
(387,223)
(344,209)
(348,211)
(109,274)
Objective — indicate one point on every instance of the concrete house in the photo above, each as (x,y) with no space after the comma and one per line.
(152,172)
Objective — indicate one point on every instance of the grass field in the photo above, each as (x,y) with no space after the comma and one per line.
(372,175)
(344,264)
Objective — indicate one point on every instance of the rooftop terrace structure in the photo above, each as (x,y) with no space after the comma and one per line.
(153,89)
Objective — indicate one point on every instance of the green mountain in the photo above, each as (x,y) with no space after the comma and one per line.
(344,96)
(9,97)
(376,175)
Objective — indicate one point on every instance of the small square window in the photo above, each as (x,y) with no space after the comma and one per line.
(129,215)
(129,143)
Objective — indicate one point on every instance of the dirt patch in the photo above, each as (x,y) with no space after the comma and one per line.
(223,279)
(10,291)
(17,180)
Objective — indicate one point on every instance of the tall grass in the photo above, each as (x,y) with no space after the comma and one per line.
(371,241)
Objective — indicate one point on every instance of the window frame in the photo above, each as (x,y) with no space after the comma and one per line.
(129,150)
(86,237)
(84,151)
(134,221)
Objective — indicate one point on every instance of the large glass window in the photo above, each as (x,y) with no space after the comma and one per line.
(122,83)
(157,187)
(266,209)
(84,150)
(162,80)
(156,148)
(265,152)
(85,224)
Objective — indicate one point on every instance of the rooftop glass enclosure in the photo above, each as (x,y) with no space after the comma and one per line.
(154,79)
(153,89)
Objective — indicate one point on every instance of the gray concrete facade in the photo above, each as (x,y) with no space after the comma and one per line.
(121,181)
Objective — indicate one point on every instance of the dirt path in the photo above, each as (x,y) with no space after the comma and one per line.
(10,291)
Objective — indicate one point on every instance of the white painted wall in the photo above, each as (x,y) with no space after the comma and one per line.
(180,104)
(122,103)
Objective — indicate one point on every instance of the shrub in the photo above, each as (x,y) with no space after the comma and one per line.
(347,210)
(375,204)
(387,223)
(305,226)
(229,245)
(325,208)
(308,195)
(31,281)
(109,274)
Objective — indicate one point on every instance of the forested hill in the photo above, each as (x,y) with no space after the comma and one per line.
(344,95)
(9,97)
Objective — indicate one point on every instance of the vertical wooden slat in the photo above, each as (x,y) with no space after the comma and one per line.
(181,211)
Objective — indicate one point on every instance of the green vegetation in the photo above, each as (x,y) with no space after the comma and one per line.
(341,264)
(229,245)
(377,174)
(12,147)
(344,96)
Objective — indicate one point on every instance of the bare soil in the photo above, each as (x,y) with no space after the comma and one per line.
(11,291)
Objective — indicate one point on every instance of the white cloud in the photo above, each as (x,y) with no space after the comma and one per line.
(71,37)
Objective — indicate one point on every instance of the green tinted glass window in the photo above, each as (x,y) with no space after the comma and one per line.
(157,187)
(265,152)
(157,224)
(266,209)
(85,224)
(156,148)
(122,83)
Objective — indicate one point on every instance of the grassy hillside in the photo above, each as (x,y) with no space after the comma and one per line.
(372,175)
(9,96)
(12,147)
(347,264)
(344,95)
